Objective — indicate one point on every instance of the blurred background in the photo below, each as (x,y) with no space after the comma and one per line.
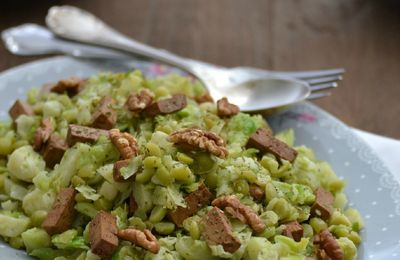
(362,36)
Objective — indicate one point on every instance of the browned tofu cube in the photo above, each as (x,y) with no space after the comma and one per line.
(71,86)
(103,234)
(323,205)
(83,134)
(217,230)
(54,150)
(264,141)
(104,116)
(20,108)
(194,202)
(293,230)
(166,106)
(117,171)
(61,215)
(42,134)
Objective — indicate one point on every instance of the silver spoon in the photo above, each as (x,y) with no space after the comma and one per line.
(251,91)
(31,39)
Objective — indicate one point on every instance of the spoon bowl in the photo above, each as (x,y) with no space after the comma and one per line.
(265,93)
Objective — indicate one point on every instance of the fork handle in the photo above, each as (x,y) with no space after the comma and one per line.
(304,75)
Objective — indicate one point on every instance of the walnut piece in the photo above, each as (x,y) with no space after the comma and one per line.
(197,139)
(327,243)
(139,101)
(144,239)
(226,109)
(42,134)
(234,207)
(321,255)
(125,143)
(203,98)
(235,214)
(257,192)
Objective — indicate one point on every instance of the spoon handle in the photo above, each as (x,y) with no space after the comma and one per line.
(76,24)
(119,41)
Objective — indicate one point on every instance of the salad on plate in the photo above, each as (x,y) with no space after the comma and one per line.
(118,166)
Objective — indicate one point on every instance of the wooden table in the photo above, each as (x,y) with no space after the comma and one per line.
(362,36)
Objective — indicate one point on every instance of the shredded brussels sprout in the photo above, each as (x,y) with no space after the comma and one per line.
(162,181)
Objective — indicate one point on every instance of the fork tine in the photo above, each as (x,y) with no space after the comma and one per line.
(317,81)
(323,86)
(313,73)
(317,95)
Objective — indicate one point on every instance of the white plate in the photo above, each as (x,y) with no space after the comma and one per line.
(371,188)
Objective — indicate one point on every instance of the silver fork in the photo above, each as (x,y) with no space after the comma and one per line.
(252,89)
